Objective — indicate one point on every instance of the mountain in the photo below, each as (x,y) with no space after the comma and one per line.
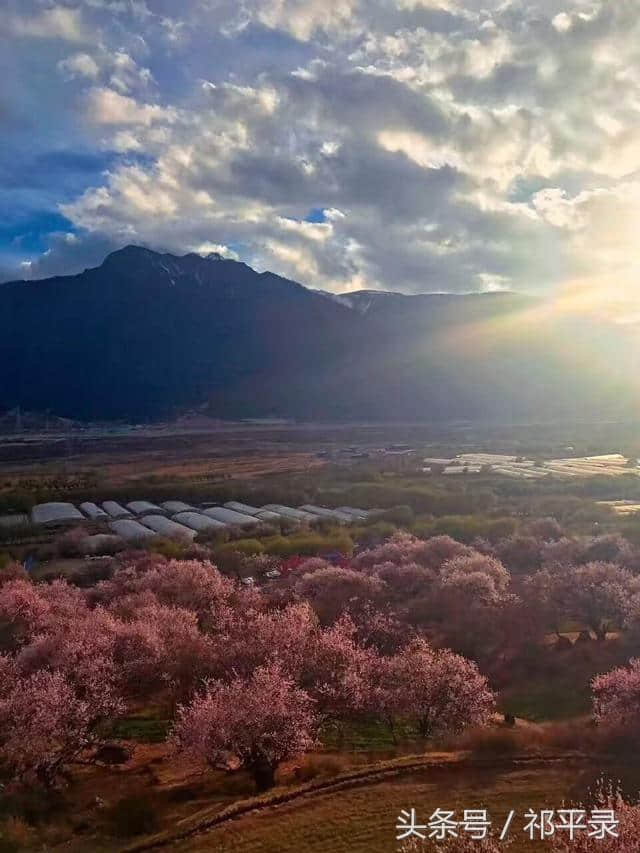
(147,335)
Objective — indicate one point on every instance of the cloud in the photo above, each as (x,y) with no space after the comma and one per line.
(80,64)
(58,22)
(450,146)
(105,106)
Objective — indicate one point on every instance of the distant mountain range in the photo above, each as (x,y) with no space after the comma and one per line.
(148,335)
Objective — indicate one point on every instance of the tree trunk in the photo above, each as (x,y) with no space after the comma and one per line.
(425,727)
(264,775)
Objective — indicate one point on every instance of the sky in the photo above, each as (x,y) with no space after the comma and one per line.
(408,145)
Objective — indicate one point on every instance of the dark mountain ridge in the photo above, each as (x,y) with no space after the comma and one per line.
(146,335)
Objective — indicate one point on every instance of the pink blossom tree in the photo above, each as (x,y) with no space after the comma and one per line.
(405,548)
(255,638)
(46,724)
(254,723)
(616,696)
(27,609)
(186,654)
(627,831)
(404,580)
(334,671)
(332,591)
(442,690)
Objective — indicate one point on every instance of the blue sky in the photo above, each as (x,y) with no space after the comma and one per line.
(412,145)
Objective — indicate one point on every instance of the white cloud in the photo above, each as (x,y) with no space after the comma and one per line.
(451,146)
(562,22)
(58,22)
(108,107)
(208,248)
(79,65)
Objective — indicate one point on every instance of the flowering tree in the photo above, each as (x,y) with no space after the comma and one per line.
(187,584)
(627,840)
(404,580)
(333,590)
(444,691)
(254,723)
(255,638)
(28,609)
(627,831)
(488,575)
(404,548)
(598,594)
(520,553)
(46,724)
(616,695)
(335,669)
(186,654)
(81,651)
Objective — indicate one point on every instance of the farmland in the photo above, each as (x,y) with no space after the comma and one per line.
(500,569)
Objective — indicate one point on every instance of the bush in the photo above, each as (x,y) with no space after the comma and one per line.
(310,545)
(72,543)
(313,766)
(92,572)
(213,536)
(375,533)
(494,741)
(132,816)
(401,515)
(173,549)
(15,835)
(247,547)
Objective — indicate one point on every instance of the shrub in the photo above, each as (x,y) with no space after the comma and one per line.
(132,816)
(313,766)
(246,547)
(71,543)
(401,515)
(310,544)
(495,741)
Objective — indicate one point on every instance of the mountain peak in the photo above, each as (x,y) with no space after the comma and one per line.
(128,253)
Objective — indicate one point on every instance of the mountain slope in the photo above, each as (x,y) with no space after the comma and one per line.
(146,334)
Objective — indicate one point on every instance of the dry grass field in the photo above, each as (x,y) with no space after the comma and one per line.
(363,819)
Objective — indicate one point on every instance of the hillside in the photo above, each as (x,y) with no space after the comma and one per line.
(146,335)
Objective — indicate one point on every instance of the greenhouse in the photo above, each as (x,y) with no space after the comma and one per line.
(290,512)
(55,513)
(197,521)
(92,510)
(165,527)
(115,510)
(230,516)
(173,507)
(144,508)
(131,531)
(243,508)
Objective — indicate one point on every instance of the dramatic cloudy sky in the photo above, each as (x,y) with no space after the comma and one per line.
(415,145)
